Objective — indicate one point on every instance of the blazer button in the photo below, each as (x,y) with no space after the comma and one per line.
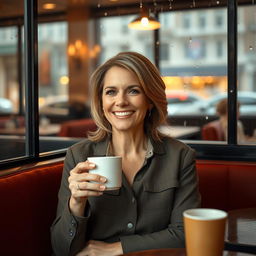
(129,225)
(71,232)
(73,223)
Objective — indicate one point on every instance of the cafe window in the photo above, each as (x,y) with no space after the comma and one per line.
(246,76)
(193,81)
(114,40)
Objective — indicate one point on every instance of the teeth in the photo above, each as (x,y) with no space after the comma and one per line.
(122,113)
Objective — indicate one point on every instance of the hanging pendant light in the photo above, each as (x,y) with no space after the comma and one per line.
(145,21)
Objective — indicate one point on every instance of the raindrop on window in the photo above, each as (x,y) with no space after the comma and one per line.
(157,42)
(218,2)
(207,117)
(190,40)
(105,14)
(250,48)
(231,91)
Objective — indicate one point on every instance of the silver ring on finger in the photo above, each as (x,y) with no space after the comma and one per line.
(77,186)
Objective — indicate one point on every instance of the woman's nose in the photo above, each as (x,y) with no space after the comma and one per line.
(121,99)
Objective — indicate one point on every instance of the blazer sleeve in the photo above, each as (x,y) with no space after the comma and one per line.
(186,196)
(67,231)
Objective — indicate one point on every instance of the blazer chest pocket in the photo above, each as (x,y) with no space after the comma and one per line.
(159,196)
(157,187)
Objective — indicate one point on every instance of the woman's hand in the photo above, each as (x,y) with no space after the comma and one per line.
(97,248)
(81,186)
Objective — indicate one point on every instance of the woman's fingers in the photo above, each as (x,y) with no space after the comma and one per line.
(83,167)
(84,184)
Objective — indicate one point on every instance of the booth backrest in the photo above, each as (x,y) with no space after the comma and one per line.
(77,128)
(227,185)
(29,200)
(28,207)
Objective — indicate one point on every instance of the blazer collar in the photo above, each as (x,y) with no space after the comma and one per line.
(101,147)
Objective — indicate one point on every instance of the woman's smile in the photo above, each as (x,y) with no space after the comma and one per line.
(123,114)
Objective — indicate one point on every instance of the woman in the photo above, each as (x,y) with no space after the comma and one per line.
(222,111)
(159,177)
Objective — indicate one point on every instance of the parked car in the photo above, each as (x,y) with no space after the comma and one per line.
(6,106)
(247,103)
(59,106)
(55,105)
(183,103)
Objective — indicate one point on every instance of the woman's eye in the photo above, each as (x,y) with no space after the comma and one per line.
(110,92)
(134,91)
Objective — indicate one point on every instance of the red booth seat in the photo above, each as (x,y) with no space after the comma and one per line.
(227,185)
(29,200)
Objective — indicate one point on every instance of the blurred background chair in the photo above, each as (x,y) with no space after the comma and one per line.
(77,128)
(213,131)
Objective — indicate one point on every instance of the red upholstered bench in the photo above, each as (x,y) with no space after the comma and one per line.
(227,185)
(29,200)
(77,128)
(28,207)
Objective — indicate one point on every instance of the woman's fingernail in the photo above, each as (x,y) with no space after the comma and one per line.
(92,165)
(102,179)
(102,187)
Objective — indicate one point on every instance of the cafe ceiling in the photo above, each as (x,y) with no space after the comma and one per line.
(15,8)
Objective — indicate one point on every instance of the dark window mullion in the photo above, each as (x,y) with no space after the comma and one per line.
(31,77)
(20,69)
(232,72)
(156,47)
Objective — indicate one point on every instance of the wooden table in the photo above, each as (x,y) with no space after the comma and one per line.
(241,230)
(49,130)
(177,252)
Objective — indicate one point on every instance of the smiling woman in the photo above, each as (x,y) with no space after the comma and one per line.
(124,102)
(159,180)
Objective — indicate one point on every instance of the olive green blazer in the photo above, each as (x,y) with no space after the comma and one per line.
(146,215)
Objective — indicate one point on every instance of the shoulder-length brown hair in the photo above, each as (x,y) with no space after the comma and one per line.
(149,79)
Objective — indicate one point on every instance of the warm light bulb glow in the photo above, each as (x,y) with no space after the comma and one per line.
(78,44)
(49,6)
(144,21)
(71,50)
(64,80)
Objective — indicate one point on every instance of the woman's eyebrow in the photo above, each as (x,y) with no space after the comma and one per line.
(109,87)
(132,86)
(129,87)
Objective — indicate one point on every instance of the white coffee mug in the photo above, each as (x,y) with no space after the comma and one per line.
(109,167)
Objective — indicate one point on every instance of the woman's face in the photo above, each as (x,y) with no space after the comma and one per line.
(124,103)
